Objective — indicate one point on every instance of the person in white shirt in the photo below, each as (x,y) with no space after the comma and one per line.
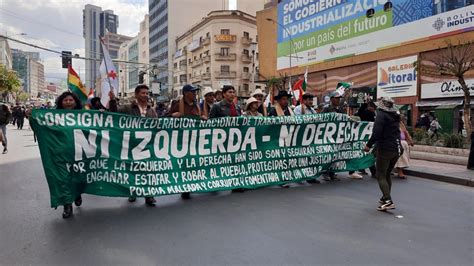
(307,107)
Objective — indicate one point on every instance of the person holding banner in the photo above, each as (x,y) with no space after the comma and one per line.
(226,107)
(259,95)
(186,106)
(139,107)
(334,106)
(251,107)
(307,107)
(209,100)
(69,101)
(282,107)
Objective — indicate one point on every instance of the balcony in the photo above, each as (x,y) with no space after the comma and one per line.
(206,59)
(206,41)
(196,78)
(225,38)
(196,62)
(206,75)
(226,75)
(246,75)
(246,58)
(246,41)
(227,57)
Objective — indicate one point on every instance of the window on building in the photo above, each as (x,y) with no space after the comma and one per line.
(175,79)
(208,69)
(189,60)
(246,69)
(175,65)
(225,68)
(225,51)
(225,31)
(246,52)
(208,35)
(245,87)
(206,53)
(246,35)
(256,38)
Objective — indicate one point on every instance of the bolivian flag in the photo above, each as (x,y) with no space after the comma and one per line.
(75,85)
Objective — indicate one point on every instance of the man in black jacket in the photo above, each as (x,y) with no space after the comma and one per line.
(386,137)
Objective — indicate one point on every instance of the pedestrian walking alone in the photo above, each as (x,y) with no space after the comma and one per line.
(386,138)
(5,117)
(69,101)
(20,115)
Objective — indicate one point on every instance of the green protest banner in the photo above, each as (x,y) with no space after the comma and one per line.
(118,155)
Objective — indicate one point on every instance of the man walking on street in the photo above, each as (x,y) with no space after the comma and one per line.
(5,117)
(139,107)
(186,106)
(386,137)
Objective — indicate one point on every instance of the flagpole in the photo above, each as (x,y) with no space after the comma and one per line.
(105,64)
(68,71)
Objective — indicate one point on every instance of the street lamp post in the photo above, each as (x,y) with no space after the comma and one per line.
(292,50)
(253,48)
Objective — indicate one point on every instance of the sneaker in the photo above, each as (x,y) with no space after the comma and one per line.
(387,205)
(78,201)
(150,201)
(285,185)
(363,172)
(355,176)
(5,151)
(381,201)
(185,195)
(132,199)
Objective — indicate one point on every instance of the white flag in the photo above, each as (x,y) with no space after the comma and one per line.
(108,76)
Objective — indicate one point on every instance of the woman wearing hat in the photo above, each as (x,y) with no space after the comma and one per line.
(259,95)
(251,108)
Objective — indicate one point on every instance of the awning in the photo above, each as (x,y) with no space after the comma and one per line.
(436,103)
(447,107)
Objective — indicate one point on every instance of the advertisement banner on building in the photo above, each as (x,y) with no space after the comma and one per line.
(447,89)
(397,78)
(331,29)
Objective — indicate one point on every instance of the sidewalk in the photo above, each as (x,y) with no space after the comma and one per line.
(450,173)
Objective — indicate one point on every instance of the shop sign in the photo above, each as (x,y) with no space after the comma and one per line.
(225,38)
(397,78)
(447,89)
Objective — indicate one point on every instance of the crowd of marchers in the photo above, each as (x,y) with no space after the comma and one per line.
(389,142)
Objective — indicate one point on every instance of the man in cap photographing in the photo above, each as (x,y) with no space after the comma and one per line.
(386,138)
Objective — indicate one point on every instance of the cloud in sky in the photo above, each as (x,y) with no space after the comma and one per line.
(57,24)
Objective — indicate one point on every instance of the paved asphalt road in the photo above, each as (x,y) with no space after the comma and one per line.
(313,225)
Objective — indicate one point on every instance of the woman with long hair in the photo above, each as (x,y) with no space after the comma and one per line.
(69,101)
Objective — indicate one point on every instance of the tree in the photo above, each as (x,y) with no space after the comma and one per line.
(10,83)
(22,97)
(455,61)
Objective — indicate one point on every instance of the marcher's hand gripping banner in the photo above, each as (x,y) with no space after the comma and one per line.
(118,155)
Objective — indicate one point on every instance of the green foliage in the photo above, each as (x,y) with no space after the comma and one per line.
(22,97)
(454,140)
(9,81)
(419,134)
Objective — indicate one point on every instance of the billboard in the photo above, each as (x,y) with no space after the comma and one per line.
(314,31)
(447,89)
(397,78)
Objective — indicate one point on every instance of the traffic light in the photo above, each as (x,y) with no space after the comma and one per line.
(67,58)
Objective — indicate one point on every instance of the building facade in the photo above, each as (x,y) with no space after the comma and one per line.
(21,65)
(134,50)
(378,59)
(5,54)
(30,69)
(218,51)
(166,26)
(36,78)
(96,23)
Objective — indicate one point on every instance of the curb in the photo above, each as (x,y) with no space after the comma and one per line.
(441,178)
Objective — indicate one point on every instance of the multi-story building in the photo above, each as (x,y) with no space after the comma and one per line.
(134,50)
(21,65)
(5,54)
(165,28)
(219,50)
(375,49)
(96,23)
(36,78)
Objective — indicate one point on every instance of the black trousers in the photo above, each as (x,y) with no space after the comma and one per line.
(20,123)
(386,161)
(470,162)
